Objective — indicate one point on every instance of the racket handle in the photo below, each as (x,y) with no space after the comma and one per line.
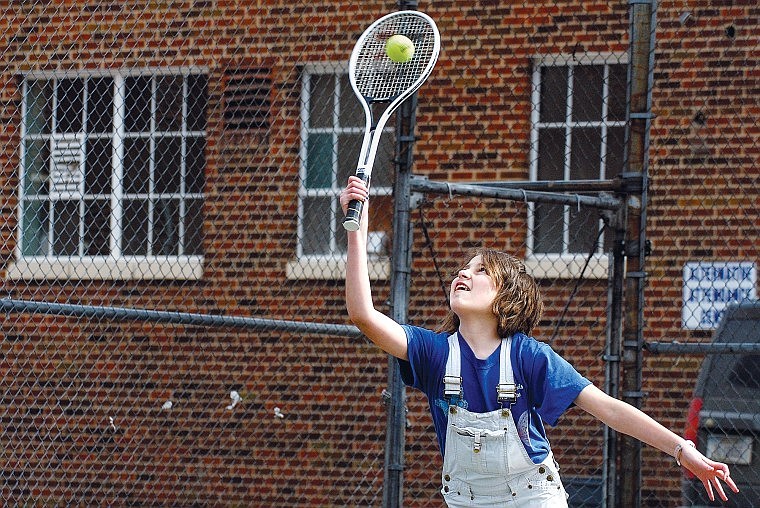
(353,215)
(353,218)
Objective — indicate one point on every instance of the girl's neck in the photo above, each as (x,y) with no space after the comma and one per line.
(481,336)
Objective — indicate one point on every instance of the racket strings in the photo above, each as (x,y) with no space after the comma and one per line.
(381,79)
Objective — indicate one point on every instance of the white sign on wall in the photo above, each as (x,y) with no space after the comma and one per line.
(708,287)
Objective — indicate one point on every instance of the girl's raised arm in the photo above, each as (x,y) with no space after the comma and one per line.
(378,327)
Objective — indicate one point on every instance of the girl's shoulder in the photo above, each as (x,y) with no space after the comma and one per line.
(527,349)
(430,338)
(425,332)
(527,344)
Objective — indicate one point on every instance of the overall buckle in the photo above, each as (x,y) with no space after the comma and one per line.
(506,393)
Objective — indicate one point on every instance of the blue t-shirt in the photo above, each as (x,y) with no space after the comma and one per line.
(546,383)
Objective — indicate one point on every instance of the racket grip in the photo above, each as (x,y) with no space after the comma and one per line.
(353,218)
(353,215)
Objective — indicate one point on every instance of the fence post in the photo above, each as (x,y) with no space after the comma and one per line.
(401,259)
(399,300)
(612,355)
(641,69)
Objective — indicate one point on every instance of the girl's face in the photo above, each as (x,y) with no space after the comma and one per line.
(473,289)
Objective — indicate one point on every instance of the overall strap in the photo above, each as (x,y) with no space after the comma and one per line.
(452,378)
(506,390)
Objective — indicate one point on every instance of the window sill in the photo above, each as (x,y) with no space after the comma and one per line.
(543,267)
(101,268)
(312,268)
(555,266)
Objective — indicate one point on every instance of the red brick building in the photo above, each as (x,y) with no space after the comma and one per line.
(186,156)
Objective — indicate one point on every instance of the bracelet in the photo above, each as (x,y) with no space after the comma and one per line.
(679,449)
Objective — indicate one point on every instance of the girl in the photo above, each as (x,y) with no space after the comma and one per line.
(491,387)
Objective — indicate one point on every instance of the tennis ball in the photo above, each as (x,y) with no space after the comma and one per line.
(399,48)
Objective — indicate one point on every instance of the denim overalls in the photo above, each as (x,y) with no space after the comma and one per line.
(485,462)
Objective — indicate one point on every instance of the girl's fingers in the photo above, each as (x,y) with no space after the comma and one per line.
(355,189)
(722,473)
(709,489)
(729,481)
(347,196)
(719,488)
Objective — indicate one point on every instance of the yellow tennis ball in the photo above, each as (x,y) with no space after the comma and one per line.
(399,48)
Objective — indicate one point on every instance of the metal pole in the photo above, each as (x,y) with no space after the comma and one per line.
(10,305)
(714,348)
(642,23)
(612,355)
(603,201)
(399,300)
(614,185)
(393,484)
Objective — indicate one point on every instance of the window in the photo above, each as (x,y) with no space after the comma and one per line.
(113,166)
(332,132)
(578,134)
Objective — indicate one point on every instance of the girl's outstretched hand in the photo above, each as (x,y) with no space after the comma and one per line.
(711,473)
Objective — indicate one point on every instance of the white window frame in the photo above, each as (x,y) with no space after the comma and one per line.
(330,266)
(566,265)
(114,266)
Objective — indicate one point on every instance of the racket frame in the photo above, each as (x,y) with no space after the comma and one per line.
(373,130)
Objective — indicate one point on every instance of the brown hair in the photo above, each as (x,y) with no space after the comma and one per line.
(517,303)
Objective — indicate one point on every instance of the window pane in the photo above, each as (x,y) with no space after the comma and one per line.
(348,156)
(166,227)
(195,165)
(317,213)
(609,238)
(36,224)
(587,92)
(169,103)
(97,177)
(615,151)
(319,169)
(137,104)
(548,228)
(97,230)
(197,98)
(100,105)
(584,228)
(193,240)
(39,107)
(168,169)
(36,167)
(383,169)
(382,215)
(381,224)
(553,94)
(66,228)
(586,153)
(351,111)
(70,94)
(551,154)
(136,166)
(618,90)
(613,167)
(321,100)
(341,238)
(135,227)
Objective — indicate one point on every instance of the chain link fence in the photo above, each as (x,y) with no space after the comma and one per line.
(172,257)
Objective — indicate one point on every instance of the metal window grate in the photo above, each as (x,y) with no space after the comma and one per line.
(247,100)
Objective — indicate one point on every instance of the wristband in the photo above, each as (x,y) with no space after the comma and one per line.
(679,449)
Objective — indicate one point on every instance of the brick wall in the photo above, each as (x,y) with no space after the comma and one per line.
(64,378)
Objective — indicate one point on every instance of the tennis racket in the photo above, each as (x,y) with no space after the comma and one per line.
(376,79)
